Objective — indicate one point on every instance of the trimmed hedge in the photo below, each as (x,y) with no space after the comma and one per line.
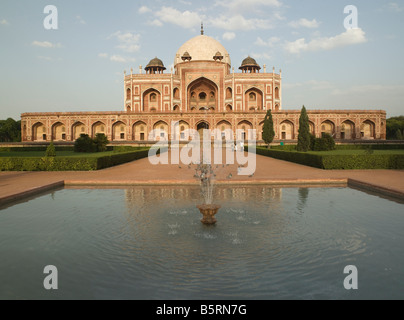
(370,161)
(69,163)
(27,149)
(339,162)
(292,156)
(290,147)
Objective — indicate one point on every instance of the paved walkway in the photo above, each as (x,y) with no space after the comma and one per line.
(14,185)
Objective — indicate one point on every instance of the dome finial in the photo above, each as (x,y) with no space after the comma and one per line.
(202,32)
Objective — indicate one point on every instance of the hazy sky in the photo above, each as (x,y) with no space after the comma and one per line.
(79,66)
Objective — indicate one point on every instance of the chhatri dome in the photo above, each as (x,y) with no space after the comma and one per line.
(202,48)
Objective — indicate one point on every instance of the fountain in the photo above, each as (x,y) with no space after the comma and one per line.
(205,173)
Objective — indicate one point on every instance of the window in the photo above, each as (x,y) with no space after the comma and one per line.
(82,129)
(276,93)
(153,97)
(202,96)
(323,128)
(252,97)
(63,136)
(283,127)
(141,128)
(182,128)
(122,136)
(128,94)
(182,135)
(142,136)
(122,128)
(43,129)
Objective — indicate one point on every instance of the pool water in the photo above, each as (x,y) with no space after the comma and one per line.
(148,243)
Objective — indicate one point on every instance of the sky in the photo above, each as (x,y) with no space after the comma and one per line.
(79,66)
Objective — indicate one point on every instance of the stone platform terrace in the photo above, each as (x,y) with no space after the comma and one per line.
(17,185)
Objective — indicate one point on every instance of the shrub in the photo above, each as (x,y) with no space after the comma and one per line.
(85,144)
(326,143)
(50,150)
(338,162)
(69,163)
(101,142)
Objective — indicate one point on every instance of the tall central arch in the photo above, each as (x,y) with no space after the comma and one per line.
(202,95)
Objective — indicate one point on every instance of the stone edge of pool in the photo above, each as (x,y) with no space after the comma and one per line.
(341,182)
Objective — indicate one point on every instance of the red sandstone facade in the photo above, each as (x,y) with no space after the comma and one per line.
(202,91)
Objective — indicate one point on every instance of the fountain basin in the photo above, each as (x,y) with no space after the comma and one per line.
(208,211)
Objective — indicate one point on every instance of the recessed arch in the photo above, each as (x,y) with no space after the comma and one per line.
(139,132)
(286,130)
(368,129)
(253,99)
(348,130)
(59,131)
(327,127)
(39,132)
(98,127)
(119,131)
(78,128)
(160,130)
(243,130)
(202,93)
(151,100)
(229,93)
(176,93)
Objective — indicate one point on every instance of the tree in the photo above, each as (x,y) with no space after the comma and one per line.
(399,135)
(85,144)
(50,150)
(10,130)
(392,125)
(101,142)
(303,140)
(268,133)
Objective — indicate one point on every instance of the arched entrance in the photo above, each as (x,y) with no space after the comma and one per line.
(200,127)
(202,95)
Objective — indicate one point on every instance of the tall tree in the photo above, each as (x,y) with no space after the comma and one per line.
(10,130)
(303,140)
(268,133)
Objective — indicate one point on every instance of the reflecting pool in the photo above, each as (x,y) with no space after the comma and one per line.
(149,243)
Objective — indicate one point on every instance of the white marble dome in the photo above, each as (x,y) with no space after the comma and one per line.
(202,48)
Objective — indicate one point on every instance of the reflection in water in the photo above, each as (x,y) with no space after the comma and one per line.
(303,195)
(148,243)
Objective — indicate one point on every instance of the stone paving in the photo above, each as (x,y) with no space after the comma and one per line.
(269,171)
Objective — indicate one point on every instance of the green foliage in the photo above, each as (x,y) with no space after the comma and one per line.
(101,142)
(303,140)
(10,130)
(50,150)
(399,135)
(392,125)
(312,141)
(85,144)
(307,159)
(268,133)
(120,149)
(338,162)
(369,150)
(326,143)
(68,163)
